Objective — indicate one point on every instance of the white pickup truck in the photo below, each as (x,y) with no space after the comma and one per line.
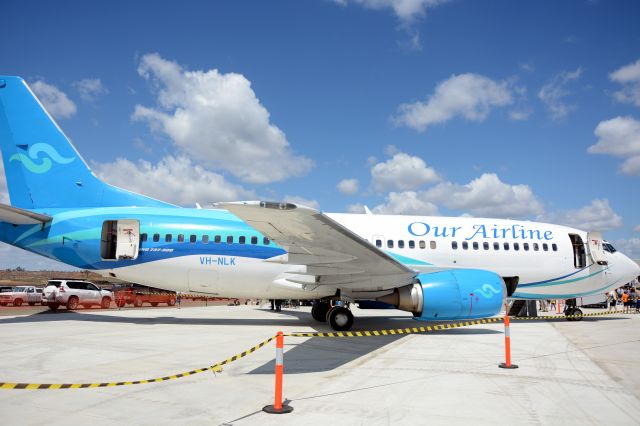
(22,294)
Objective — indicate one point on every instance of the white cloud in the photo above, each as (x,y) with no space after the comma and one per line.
(470,96)
(629,77)
(402,172)
(598,216)
(174,179)
(407,202)
(519,115)
(218,121)
(355,208)
(486,195)
(12,257)
(629,247)
(620,137)
(4,191)
(90,89)
(554,92)
(348,186)
(405,10)
(302,201)
(54,100)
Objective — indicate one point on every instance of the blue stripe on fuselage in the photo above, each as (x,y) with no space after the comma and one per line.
(73,237)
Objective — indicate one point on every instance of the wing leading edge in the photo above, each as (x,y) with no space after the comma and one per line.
(332,253)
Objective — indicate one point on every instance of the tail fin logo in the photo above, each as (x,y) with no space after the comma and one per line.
(40,165)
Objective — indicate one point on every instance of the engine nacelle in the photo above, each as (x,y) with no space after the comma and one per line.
(450,295)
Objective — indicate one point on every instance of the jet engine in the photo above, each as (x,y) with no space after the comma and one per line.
(451,295)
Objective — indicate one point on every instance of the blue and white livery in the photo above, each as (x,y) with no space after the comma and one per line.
(435,267)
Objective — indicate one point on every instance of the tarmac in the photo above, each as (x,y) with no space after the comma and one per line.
(569,372)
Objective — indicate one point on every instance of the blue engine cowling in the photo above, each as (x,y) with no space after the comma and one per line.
(460,294)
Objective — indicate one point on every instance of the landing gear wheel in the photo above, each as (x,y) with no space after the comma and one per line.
(577,314)
(319,311)
(72,303)
(340,318)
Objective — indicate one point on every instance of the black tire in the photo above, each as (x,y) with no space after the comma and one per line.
(32,303)
(340,318)
(106,302)
(17,302)
(154,304)
(72,303)
(577,314)
(568,313)
(171,302)
(137,302)
(53,306)
(319,311)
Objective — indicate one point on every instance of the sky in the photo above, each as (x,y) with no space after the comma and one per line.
(526,110)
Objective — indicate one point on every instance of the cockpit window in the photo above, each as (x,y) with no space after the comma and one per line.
(608,247)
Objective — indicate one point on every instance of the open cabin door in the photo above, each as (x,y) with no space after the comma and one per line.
(595,248)
(120,239)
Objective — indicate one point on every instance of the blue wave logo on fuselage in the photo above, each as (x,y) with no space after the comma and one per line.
(40,165)
(486,291)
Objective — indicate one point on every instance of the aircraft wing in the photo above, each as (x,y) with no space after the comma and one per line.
(17,216)
(333,254)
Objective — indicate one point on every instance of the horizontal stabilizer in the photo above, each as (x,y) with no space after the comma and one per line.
(17,216)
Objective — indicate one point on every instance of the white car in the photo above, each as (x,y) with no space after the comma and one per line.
(73,293)
(21,294)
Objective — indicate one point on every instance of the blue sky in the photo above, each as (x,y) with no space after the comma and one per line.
(526,110)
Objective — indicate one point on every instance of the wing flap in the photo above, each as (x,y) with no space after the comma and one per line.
(16,216)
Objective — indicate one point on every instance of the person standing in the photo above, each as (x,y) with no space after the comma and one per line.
(625,302)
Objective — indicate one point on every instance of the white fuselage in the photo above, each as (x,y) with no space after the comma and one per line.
(540,256)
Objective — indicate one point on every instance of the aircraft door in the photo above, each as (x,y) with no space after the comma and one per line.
(120,239)
(596,251)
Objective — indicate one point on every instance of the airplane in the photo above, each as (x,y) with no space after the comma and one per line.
(437,268)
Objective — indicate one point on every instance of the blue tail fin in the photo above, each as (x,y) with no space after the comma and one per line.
(42,167)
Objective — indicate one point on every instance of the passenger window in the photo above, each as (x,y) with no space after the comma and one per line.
(454,245)
(506,246)
(266,241)
(242,239)
(143,237)
(156,238)
(412,244)
(230,239)
(422,244)
(168,237)
(516,246)
(485,245)
(496,246)
(554,247)
(526,246)
(193,239)
(217,239)
(545,247)
(535,247)
(379,243)
(400,243)
(181,238)
(432,244)
(205,239)
(254,240)
(465,245)
(475,245)
(389,243)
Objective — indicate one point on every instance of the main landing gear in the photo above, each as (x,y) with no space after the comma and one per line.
(571,311)
(339,317)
